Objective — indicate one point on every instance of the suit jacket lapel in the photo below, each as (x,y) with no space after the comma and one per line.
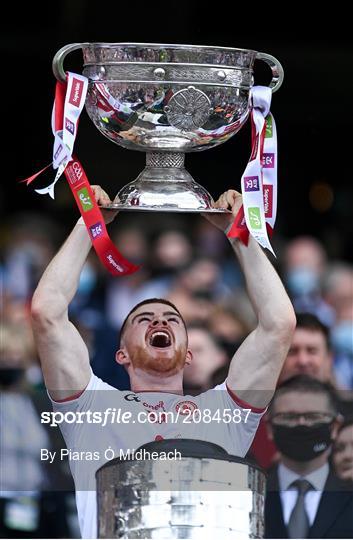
(329,507)
(275,527)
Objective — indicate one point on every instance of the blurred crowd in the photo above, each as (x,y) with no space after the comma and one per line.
(189,262)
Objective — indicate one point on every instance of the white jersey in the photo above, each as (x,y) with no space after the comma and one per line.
(214,416)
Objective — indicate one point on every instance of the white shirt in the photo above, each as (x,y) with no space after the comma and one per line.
(234,437)
(289,494)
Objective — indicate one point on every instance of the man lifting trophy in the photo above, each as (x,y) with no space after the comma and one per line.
(165,100)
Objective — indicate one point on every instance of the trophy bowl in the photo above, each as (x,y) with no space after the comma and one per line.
(166,100)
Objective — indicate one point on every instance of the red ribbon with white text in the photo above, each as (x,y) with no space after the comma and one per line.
(69,101)
(110,257)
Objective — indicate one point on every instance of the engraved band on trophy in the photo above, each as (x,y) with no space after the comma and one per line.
(166,100)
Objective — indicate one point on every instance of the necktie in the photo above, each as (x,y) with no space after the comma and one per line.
(298,525)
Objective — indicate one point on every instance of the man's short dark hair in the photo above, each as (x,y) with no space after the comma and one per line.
(306,385)
(309,321)
(148,301)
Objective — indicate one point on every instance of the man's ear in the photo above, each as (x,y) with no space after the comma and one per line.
(122,358)
(189,357)
(328,366)
(338,421)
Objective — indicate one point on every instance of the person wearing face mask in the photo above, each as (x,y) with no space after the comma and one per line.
(310,354)
(342,343)
(304,265)
(305,499)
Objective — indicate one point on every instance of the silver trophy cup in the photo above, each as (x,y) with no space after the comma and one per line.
(207,494)
(167,100)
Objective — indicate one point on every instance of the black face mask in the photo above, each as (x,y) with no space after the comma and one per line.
(10,376)
(302,443)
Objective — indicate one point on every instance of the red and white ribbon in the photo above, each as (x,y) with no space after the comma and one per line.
(108,254)
(269,172)
(69,100)
(65,135)
(259,180)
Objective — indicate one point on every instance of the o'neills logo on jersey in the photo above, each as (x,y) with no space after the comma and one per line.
(159,405)
(109,257)
(74,173)
(185,407)
(268,199)
(76,92)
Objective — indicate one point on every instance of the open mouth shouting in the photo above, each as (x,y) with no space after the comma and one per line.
(160,338)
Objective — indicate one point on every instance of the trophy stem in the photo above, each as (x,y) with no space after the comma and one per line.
(165,159)
(164,185)
(166,167)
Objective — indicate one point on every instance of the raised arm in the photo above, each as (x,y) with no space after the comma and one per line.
(256,365)
(62,351)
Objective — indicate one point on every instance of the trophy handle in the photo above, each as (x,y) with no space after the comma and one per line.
(58,60)
(276,68)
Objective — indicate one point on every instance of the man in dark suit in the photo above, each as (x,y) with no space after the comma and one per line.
(304,498)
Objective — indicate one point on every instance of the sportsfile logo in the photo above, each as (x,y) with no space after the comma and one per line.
(69,126)
(268,198)
(251,183)
(76,92)
(254,217)
(96,229)
(268,161)
(85,199)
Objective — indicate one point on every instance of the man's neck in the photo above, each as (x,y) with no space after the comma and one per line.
(141,381)
(305,467)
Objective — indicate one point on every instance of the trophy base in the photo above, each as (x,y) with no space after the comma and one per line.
(164,186)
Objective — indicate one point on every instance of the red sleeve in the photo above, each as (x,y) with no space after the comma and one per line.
(263,449)
(243,404)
